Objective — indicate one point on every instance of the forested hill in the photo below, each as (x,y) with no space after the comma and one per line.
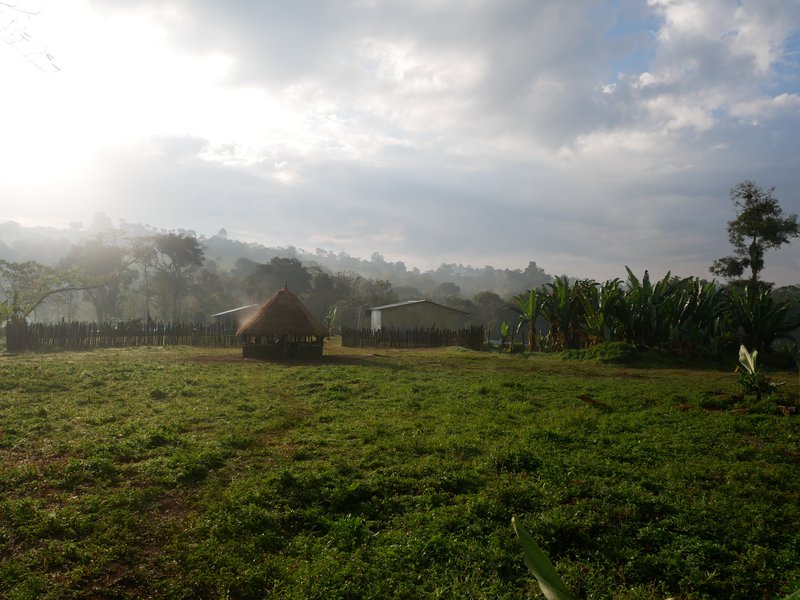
(49,245)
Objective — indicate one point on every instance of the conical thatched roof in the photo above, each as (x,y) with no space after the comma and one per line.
(283,314)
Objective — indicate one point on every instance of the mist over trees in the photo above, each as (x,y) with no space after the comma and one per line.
(106,259)
(133,272)
(148,273)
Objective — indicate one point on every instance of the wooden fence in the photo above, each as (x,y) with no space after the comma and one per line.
(82,336)
(471,337)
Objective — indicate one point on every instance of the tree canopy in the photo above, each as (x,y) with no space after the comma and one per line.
(106,261)
(759,226)
(177,257)
(25,285)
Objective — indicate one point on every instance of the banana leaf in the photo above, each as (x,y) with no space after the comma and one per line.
(748,359)
(541,567)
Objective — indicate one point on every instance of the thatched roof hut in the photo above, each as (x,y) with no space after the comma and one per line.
(282,328)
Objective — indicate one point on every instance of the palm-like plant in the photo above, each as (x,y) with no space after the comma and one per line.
(528,306)
(600,302)
(563,309)
(699,308)
(536,560)
(751,377)
(647,312)
(759,317)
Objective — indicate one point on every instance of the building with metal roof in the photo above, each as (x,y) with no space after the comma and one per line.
(416,314)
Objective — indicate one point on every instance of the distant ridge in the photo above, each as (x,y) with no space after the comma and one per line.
(49,245)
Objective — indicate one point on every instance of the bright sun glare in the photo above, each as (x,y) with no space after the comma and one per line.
(119,81)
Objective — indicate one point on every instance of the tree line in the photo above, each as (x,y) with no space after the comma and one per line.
(169,277)
(48,246)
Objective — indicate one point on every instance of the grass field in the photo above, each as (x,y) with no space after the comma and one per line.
(187,473)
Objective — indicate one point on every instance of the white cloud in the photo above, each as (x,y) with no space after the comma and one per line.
(760,109)
(424,130)
(679,113)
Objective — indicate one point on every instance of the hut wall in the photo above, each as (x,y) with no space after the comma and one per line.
(271,349)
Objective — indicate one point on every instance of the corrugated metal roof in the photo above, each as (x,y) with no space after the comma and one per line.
(233,310)
(409,302)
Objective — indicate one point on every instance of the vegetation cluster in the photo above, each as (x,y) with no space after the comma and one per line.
(689,316)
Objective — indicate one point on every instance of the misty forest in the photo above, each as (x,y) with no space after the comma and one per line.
(134,273)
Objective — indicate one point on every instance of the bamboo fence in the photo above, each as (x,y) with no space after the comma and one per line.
(83,336)
(432,337)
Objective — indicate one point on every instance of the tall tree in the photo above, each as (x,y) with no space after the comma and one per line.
(210,293)
(25,286)
(759,226)
(177,258)
(143,253)
(266,279)
(103,259)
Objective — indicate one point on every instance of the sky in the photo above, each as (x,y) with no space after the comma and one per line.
(584,135)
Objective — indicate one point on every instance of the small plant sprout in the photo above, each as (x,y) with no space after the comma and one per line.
(748,360)
(505,329)
(751,378)
(330,319)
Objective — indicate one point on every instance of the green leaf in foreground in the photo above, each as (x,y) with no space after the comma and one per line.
(538,563)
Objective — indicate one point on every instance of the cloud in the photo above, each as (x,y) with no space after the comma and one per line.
(581,135)
(365,75)
(767,108)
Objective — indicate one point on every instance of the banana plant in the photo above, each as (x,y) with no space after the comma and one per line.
(504,331)
(751,378)
(600,302)
(648,309)
(759,317)
(563,310)
(700,308)
(528,306)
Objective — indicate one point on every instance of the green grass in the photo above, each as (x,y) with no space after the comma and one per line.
(189,473)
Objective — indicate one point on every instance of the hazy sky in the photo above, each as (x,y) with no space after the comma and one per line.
(584,135)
